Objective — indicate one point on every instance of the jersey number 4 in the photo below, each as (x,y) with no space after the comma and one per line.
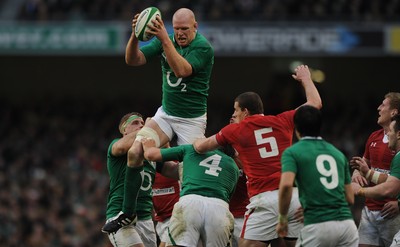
(212,163)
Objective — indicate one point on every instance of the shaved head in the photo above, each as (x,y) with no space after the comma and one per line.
(185,26)
(184,14)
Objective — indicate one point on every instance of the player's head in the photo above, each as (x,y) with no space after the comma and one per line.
(130,122)
(394,133)
(389,107)
(185,26)
(307,121)
(247,104)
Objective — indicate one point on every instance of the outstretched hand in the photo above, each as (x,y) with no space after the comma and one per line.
(302,73)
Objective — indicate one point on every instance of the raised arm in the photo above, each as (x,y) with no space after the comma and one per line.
(122,146)
(133,56)
(206,144)
(303,75)
(180,66)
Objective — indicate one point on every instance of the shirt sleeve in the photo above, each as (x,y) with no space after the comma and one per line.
(224,135)
(153,49)
(288,162)
(174,153)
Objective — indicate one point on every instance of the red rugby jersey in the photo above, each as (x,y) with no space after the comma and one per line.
(380,157)
(165,195)
(260,141)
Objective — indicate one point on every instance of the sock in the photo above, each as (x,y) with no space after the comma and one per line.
(133,182)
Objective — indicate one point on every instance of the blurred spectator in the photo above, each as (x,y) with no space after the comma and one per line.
(214,10)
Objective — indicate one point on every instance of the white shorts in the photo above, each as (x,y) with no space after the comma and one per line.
(187,130)
(396,240)
(124,237)
(375,230)
(262,216)
(130,235)
(162,230)
(196,218)
(236,231)
(142,232)
(329,234)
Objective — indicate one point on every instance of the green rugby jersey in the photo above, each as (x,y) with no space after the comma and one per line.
(395,168)
(213,174)
(185,97)
(321,173)
(116,166)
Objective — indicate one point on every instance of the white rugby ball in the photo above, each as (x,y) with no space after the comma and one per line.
(145,17)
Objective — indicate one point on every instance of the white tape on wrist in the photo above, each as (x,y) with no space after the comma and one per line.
(375,177)
(149,133)
(368,174)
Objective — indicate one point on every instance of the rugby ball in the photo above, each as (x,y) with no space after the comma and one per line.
(145,17)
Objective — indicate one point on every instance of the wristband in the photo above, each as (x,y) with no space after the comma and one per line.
(375,177)
(282,218)
(368,174)
(360,192)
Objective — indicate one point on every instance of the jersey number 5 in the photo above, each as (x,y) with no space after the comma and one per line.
(269,140)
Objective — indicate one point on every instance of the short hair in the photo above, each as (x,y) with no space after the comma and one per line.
(251,101)
(126,116)
(397,124)
(394,100)
(308,120)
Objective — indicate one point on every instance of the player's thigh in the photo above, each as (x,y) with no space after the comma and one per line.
(126,237)
(237,229)
(147,232)
(329,234)
(186,222)
(262,215)
(396,240)
(219,223)
(188,130)
(388,228)
(162,125)
(375,230)
(162,230)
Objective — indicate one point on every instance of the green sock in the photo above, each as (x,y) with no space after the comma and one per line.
(133,182)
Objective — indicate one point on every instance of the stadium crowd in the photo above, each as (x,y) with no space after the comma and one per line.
(210,10)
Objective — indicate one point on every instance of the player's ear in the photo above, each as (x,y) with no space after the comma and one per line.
(246,112)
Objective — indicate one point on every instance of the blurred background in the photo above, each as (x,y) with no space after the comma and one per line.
(64,86)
